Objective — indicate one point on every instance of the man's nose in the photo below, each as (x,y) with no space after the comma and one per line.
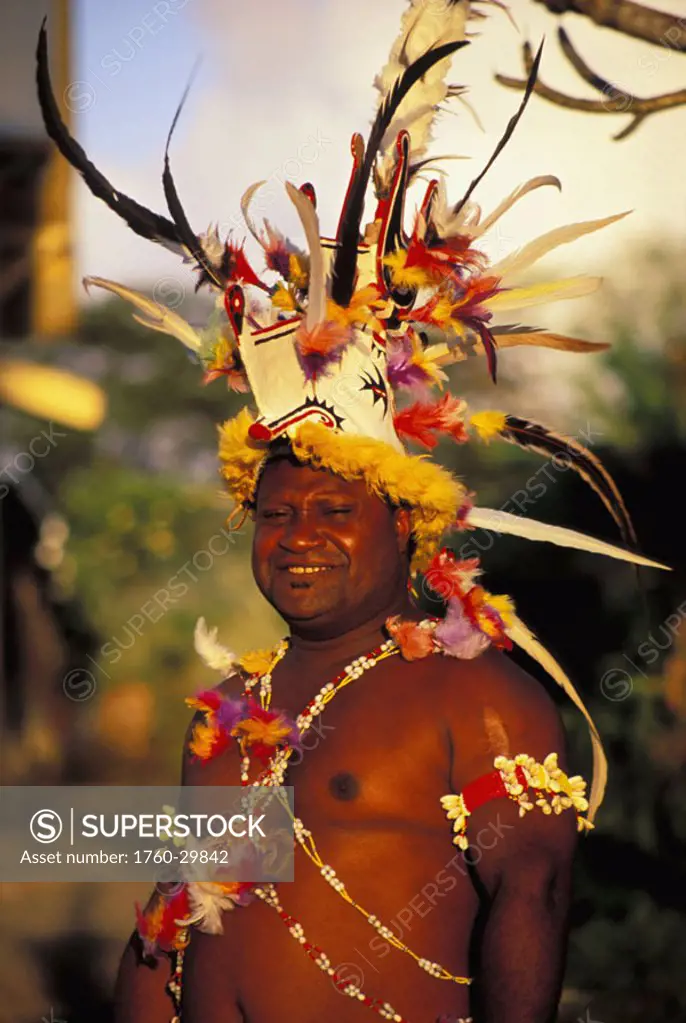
(301,534)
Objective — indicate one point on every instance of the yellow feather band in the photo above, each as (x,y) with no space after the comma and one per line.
(432,493)
(488,424)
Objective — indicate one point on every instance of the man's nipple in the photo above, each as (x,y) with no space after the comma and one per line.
(344,786)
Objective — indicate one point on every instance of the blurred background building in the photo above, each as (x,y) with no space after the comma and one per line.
(108,486)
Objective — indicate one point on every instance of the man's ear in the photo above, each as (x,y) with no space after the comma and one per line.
(403,528)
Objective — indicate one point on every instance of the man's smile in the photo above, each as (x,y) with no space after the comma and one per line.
(308,569)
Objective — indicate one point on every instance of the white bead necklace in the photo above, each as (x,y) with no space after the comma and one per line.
(274,775)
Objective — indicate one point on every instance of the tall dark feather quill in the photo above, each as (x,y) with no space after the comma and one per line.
(140,219)
(536,437)
(183,228)
(345,261)
(509,131)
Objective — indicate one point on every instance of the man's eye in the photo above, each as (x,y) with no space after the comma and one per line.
(274,514)
(337,511)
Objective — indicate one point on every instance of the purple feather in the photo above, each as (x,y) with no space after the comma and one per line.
(230,712)
(316,364)
(293,738)
(279,260)
(457,636)
(403,373)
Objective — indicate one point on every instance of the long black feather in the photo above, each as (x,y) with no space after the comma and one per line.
(536,437)
(139,218)
(183,228)
(509,131)
(345,260)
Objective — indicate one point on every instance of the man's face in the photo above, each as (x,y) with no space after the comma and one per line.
(325,550)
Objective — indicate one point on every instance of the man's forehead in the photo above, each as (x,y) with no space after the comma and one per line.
(281,476)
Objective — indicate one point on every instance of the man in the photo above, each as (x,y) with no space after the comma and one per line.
(369,789)
(420,719)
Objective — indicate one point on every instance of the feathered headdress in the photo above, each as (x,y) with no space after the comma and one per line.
(343,352)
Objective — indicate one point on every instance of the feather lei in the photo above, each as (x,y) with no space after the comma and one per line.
(211,736)
(157,927)
(261,731)
(474,618)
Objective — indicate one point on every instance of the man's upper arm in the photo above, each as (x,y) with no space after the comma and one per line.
(497,710)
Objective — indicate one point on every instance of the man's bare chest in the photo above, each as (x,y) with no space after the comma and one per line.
(378,756)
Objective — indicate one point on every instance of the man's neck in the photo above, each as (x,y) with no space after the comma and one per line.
(335,651)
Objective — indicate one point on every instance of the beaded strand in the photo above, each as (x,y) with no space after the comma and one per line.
(320,959)
(274,774)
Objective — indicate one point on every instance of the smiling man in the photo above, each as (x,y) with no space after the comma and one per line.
(436,824)
(413,728)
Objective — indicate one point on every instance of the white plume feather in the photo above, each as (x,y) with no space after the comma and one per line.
(246,199)
(522,259)
(316,293)
(515,525)
(447,223)
(426,24)
(155,316)
(211,651)
(207,901)
(519,193)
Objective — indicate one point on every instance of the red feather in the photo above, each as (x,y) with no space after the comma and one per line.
(420,422)
(239,268)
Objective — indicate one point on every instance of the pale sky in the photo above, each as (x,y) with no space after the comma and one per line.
(283,86)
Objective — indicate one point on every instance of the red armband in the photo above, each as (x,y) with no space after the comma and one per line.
(527,783)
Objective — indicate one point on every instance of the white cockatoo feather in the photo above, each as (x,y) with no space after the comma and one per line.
(424,25)
(211,651)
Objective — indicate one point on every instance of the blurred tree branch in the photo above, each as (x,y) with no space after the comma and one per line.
(631,19)
(614,99)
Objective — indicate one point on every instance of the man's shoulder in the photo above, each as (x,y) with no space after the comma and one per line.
(493,679)
(493,707)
